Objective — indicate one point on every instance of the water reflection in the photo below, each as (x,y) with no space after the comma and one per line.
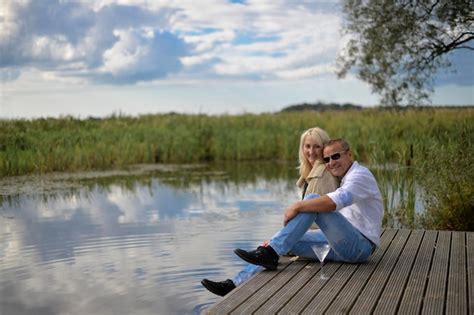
(139,242)
(135,245)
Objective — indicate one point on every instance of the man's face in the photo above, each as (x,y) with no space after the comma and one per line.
(337,166)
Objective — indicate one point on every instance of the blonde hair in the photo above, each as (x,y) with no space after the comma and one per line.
(320,137)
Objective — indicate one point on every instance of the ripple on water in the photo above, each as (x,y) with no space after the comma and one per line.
(115,251)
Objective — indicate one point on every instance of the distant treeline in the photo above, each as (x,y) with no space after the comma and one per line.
(321,107)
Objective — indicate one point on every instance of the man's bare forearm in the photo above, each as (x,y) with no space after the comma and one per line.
(322,204)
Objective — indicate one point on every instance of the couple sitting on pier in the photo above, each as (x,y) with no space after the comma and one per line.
(349,215)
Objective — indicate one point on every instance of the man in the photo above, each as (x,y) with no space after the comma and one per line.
(349,220)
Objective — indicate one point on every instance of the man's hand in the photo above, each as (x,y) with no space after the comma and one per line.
(321,204)
(291,212)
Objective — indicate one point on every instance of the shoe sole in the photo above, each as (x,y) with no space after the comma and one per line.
(242,255)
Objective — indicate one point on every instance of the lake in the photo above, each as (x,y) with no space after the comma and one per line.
(134,242)
(137,241)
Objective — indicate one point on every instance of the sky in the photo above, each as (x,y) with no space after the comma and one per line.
(132,57)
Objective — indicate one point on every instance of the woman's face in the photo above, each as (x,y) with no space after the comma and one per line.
(312,151)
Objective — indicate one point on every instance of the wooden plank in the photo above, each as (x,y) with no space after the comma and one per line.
(435,295)
(241,294)
(350,292)
(413,272)
(392,294)
(413,294)
(456,296)
(310,273)
(367,299)
(271,287)
(470,270)
(320,300)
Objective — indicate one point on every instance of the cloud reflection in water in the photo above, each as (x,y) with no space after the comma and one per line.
(136,250)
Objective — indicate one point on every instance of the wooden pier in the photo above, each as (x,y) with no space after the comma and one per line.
(413,272)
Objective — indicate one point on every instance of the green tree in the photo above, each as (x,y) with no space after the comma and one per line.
(398,45)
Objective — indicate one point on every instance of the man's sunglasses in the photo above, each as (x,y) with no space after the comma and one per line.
(334,157)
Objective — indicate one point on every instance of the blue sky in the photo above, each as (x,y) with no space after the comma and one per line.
(95,58)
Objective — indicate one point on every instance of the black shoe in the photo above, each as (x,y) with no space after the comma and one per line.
(262,256)
(219,288)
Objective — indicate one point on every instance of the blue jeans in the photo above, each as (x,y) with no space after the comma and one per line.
(347,243)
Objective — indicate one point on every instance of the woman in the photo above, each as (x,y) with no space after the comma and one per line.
(314,179)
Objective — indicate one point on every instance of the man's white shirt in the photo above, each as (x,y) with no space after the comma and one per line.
(359,200)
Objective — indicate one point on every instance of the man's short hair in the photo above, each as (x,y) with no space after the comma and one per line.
(343,143)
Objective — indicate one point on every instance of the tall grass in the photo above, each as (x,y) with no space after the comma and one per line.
(69,144)
(429,147)
(447,175)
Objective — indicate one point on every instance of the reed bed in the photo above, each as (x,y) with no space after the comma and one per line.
(407,149)
(377,136)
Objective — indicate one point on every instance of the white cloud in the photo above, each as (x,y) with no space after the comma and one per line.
(306,72)
(197,60)
(72,40)
(208,41)
(54,48)
(113,40)
(261,40)
(195,53)
(125,54)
